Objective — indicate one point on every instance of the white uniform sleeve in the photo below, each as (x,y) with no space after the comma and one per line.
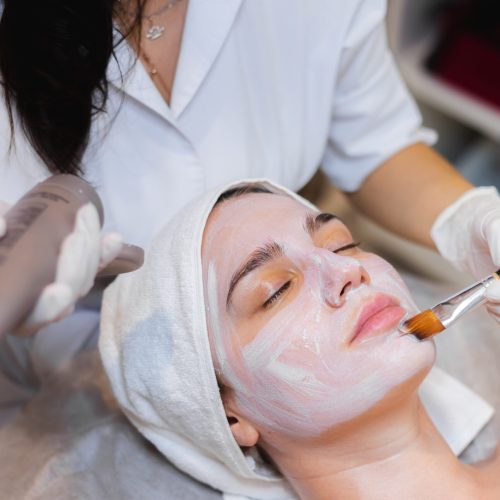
(373,115)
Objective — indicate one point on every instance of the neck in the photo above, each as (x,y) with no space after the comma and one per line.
(397,454)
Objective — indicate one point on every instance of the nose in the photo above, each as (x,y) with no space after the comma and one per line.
(339,275)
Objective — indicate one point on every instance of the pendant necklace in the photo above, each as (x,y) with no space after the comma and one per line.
(155,30)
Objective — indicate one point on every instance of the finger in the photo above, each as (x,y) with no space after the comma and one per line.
(111,245)
(4,208)
(79,257)
(492,293)
(3,226)
(71,268)
(55,300)
(493,239)
(494,311)
(88,224)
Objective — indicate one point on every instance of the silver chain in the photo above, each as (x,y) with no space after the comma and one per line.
(161,10)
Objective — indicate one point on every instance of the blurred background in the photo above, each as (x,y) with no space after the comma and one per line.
(449,54)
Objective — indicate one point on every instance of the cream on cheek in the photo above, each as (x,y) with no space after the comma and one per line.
(297,375)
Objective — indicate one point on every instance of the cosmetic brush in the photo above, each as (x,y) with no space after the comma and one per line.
(435,320)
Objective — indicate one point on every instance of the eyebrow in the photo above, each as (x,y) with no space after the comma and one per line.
(257,258)
(273,250)
(313,223)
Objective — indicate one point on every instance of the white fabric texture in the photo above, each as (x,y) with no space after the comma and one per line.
(262,89)
(155,350)
(457,412)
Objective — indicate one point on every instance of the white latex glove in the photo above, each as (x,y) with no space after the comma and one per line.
(467,233)
(83,253)
(3,209)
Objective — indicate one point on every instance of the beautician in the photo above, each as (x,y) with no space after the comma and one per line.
(222,90)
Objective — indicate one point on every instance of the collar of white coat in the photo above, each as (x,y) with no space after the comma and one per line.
(207,25)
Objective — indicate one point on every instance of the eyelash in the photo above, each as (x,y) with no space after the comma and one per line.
(354,244)
(276,295)
(271,300)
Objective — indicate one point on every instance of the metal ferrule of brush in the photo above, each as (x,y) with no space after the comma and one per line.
(463,302)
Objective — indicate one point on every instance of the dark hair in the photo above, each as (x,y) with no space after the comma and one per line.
(53,60)
(254,187)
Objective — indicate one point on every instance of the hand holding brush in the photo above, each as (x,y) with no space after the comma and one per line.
(435,320)
(467,233)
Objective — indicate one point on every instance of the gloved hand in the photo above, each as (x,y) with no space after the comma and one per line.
(467,233)
(3,209)
(83,253)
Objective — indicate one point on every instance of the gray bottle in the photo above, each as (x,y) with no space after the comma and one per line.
(36,227)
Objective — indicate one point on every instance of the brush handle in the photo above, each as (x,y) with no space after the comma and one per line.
(461,303)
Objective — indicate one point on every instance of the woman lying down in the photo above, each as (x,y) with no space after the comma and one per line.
(267,361)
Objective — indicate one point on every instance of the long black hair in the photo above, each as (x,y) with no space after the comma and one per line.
(53,60)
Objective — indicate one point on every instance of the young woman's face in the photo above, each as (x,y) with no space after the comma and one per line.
(302,323)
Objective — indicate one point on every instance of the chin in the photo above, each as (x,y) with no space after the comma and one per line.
(416,362)
(423,368)
(398,396)
(402,367)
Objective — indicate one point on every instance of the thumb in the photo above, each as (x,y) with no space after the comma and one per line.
(493,296)
(492,236)
(111,244)
(492,293)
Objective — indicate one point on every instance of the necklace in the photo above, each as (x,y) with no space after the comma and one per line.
(154,31)
(153,72)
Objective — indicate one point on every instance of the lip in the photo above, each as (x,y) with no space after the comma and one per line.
(377,317)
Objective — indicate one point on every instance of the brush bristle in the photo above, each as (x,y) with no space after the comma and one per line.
(423,325)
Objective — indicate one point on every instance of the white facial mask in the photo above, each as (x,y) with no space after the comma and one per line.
(299,374)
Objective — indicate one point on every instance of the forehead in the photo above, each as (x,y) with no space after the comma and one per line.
(253,215)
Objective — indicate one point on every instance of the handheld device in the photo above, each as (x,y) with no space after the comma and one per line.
(36,227)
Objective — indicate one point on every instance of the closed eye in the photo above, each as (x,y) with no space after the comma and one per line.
(347,247)
(276,295)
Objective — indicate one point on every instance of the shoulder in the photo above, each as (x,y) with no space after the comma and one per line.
(320,12)
(328,24)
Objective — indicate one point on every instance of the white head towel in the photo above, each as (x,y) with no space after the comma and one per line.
(155,350)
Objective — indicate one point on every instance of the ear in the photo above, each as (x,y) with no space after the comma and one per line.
(243,431)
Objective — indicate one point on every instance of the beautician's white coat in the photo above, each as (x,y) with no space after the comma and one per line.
(264,88)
